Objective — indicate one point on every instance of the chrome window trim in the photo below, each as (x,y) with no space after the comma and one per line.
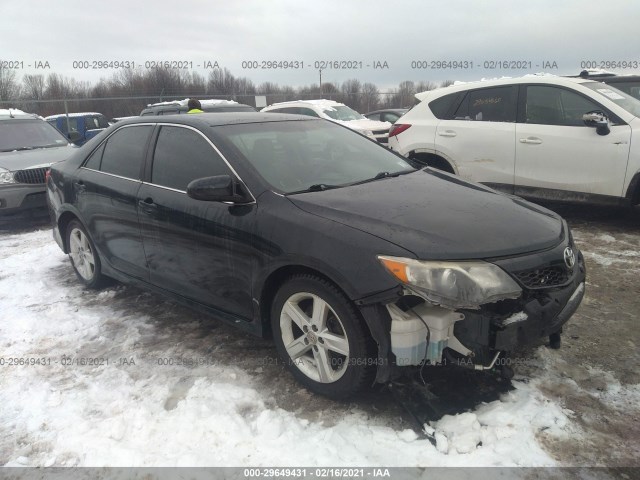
(111,174)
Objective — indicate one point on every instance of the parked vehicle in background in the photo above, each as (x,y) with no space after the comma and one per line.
(79,127)
(336,112)
(542,137)
(627,83)
(210,105)
(359,266)
(390,115)
(28,146)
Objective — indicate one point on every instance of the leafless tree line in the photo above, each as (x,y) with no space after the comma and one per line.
(127,92)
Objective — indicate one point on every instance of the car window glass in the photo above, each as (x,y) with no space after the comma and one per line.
(292,156)
(95,159)
(124,151)
(489,105)
(550,105)
(374,116)
(308,112)
(389,117)
(441,106)
(182,155)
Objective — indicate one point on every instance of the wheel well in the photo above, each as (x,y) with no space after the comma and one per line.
(635,191)
(433,160)
(63,221)
(274,281)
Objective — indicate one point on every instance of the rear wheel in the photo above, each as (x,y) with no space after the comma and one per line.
(83,255)
(321,338)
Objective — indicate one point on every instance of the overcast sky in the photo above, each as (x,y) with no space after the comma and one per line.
(393,31)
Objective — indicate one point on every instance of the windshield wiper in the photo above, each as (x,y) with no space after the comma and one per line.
(316,187)
(381,175)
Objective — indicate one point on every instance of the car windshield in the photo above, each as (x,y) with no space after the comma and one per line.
(294,156)
(341,112)
(29,134)
(624,100)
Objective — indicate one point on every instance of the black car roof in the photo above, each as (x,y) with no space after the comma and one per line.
(213,119)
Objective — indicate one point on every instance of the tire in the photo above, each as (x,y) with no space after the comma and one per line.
(84,256)
(321,338)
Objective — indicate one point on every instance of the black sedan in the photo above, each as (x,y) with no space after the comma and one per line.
(360,265)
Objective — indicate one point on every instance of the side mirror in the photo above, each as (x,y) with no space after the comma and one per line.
(221,188)
(598,120)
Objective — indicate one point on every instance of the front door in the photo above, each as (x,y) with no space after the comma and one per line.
(556,151)
(197,249)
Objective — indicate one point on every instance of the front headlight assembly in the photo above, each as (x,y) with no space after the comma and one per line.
(6,176)
(464,284)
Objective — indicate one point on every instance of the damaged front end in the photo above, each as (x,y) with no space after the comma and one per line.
(468,313)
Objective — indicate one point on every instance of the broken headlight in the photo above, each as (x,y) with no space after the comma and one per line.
(464,284)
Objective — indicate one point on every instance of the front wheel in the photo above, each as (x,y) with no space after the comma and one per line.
(83,255)
(321,338)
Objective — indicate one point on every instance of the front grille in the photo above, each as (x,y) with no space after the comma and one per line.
(31,175)
(544,277)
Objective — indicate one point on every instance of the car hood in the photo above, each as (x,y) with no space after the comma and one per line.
(438,216)
(365,124)
(33,158)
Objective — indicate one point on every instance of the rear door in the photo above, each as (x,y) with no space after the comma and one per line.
(106,191)
(197,249)
(480,138)
(556,151)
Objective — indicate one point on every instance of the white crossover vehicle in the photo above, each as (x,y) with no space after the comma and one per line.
(336,112)
(537,136)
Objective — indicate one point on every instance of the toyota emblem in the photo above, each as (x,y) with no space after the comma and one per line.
(569,257)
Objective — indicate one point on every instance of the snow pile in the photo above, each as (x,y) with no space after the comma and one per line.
(143,414)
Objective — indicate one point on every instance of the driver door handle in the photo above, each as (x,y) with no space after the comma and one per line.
(531,140)
(147,205)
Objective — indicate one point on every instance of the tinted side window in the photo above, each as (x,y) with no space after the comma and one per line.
(441,106)
(489,105)
(374,116)
(96,158)
(182,155)
(308,112)
(557,106)
(124,151)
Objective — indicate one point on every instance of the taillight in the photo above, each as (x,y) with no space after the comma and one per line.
(398,128)
(47,175)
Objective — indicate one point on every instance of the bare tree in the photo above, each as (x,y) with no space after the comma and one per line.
(9,86)
(370,99)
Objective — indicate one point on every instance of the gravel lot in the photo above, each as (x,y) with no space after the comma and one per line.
(584,399)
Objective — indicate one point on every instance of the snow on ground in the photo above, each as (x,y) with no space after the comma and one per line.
(120,414)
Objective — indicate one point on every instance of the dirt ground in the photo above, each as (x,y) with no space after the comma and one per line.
(600,349)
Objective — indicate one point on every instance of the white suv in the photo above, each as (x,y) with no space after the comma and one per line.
(336,112)
(537,136)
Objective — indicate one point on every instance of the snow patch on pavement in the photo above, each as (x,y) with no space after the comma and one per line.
(215,415)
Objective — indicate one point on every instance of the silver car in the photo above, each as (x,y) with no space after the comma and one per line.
(28,146)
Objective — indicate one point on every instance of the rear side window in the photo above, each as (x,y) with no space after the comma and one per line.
(96,158)
(124,151)
(182,155)
(308,112)
(442,106)
(488,105)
